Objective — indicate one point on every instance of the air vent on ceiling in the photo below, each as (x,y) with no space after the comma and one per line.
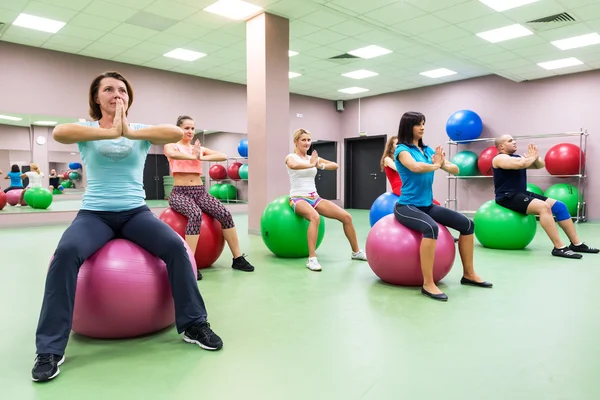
(344,58)
(552,22)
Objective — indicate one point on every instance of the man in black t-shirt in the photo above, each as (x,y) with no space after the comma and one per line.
(510,187)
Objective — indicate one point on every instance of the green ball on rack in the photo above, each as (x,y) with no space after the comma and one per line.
(227,192)
(466,161)
(215,190)
(534,189)
(566,193)
(244,172)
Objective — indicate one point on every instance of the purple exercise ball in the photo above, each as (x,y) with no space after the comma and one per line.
(393,252)
(123,291)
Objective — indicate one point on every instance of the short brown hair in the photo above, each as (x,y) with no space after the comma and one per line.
(95,111)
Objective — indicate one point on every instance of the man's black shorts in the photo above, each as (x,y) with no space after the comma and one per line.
(519,201)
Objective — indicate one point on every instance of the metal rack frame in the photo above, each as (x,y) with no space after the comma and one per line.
(227,180)
(581,205)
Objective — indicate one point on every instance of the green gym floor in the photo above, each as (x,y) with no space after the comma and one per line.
(290,333)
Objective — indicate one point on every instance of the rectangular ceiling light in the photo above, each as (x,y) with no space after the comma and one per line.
(234,9)
(293,74)
(185,55)
(505,33)
(562,63)
(292,53)
(9,118)
(360,74)
(369,52)
(353,90)
(38,23)
(45,123)
(503,5)
(577,41)
(438,73)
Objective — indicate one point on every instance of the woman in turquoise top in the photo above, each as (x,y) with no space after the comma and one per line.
(416,164)
(16,182)
(114,153)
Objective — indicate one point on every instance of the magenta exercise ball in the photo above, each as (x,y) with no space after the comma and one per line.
(393,253)
(12,197)
(123,291)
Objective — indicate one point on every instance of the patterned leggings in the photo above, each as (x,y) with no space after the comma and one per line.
(192,200)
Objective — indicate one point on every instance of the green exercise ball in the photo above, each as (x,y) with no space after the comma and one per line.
(74,176)
(40,198)
(497,227)
(284,232)
(244,172)
(566,193)
(466,161)
(534,189)
(214,190)
(227,192)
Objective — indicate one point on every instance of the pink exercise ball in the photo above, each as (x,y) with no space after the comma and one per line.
(393,253)
(12,197)
(123,291)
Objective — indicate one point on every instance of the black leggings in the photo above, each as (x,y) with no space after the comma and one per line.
(90,231)
(423,219)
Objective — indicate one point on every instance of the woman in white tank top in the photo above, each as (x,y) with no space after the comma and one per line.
(35,179)
(306,202)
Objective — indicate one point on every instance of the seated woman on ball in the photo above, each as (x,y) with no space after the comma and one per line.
(189,196)
(114,153)
(416,164)
(35,177)
(389,167)
(510,187)
(16,181)
(305,200)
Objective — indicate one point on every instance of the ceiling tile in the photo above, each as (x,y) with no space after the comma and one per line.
(207,20)
(169,40)
(301,46)
(300,29)
(46,10)
(18,31)
(81,32)
(587,13)
(228,53)
(536,10)
(123,41)
(499,57)
(171,9)
(435,5)
(109,10)
(521,42)
(348,44)
(164,63)
(154,48)
(63,40)
(486,23)
(98,23)
(394,14)
(62,48)
(445,34)
(8,16)
(515,63)
(27,41)
(565,32)
(464,12)
(468,42)
(361,7)
(221,39)
(102,50)
(137,4)
(351,28)
(324,37)
(15,5)
(322,52)
(292,9)
(323,19)
(421,25)
(133,31)
(139,55)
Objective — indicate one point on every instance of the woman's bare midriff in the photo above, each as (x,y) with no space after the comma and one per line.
(186,179)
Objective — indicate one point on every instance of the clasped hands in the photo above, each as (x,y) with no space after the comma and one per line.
(532,152)
(120,125)
(439,157)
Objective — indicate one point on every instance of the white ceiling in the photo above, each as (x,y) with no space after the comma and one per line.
(422,34)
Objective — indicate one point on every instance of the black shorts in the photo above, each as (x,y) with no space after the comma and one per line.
(519,201)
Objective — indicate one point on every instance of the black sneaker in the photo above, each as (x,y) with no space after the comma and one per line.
(203,336)
(583,248)
(565,252)
(241,264)
(46,367)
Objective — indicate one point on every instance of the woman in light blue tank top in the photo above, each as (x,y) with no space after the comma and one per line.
(16,182)
(416,163)
(114,153)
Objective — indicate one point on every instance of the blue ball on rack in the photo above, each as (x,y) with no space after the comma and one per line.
(243,148)
(464,125)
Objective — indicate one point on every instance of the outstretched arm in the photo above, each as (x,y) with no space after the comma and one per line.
(174,154)
(418,167)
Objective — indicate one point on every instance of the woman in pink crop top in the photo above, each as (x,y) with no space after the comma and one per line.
(389,167)
(189,196)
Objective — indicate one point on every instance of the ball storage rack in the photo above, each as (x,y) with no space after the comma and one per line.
(453,201)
